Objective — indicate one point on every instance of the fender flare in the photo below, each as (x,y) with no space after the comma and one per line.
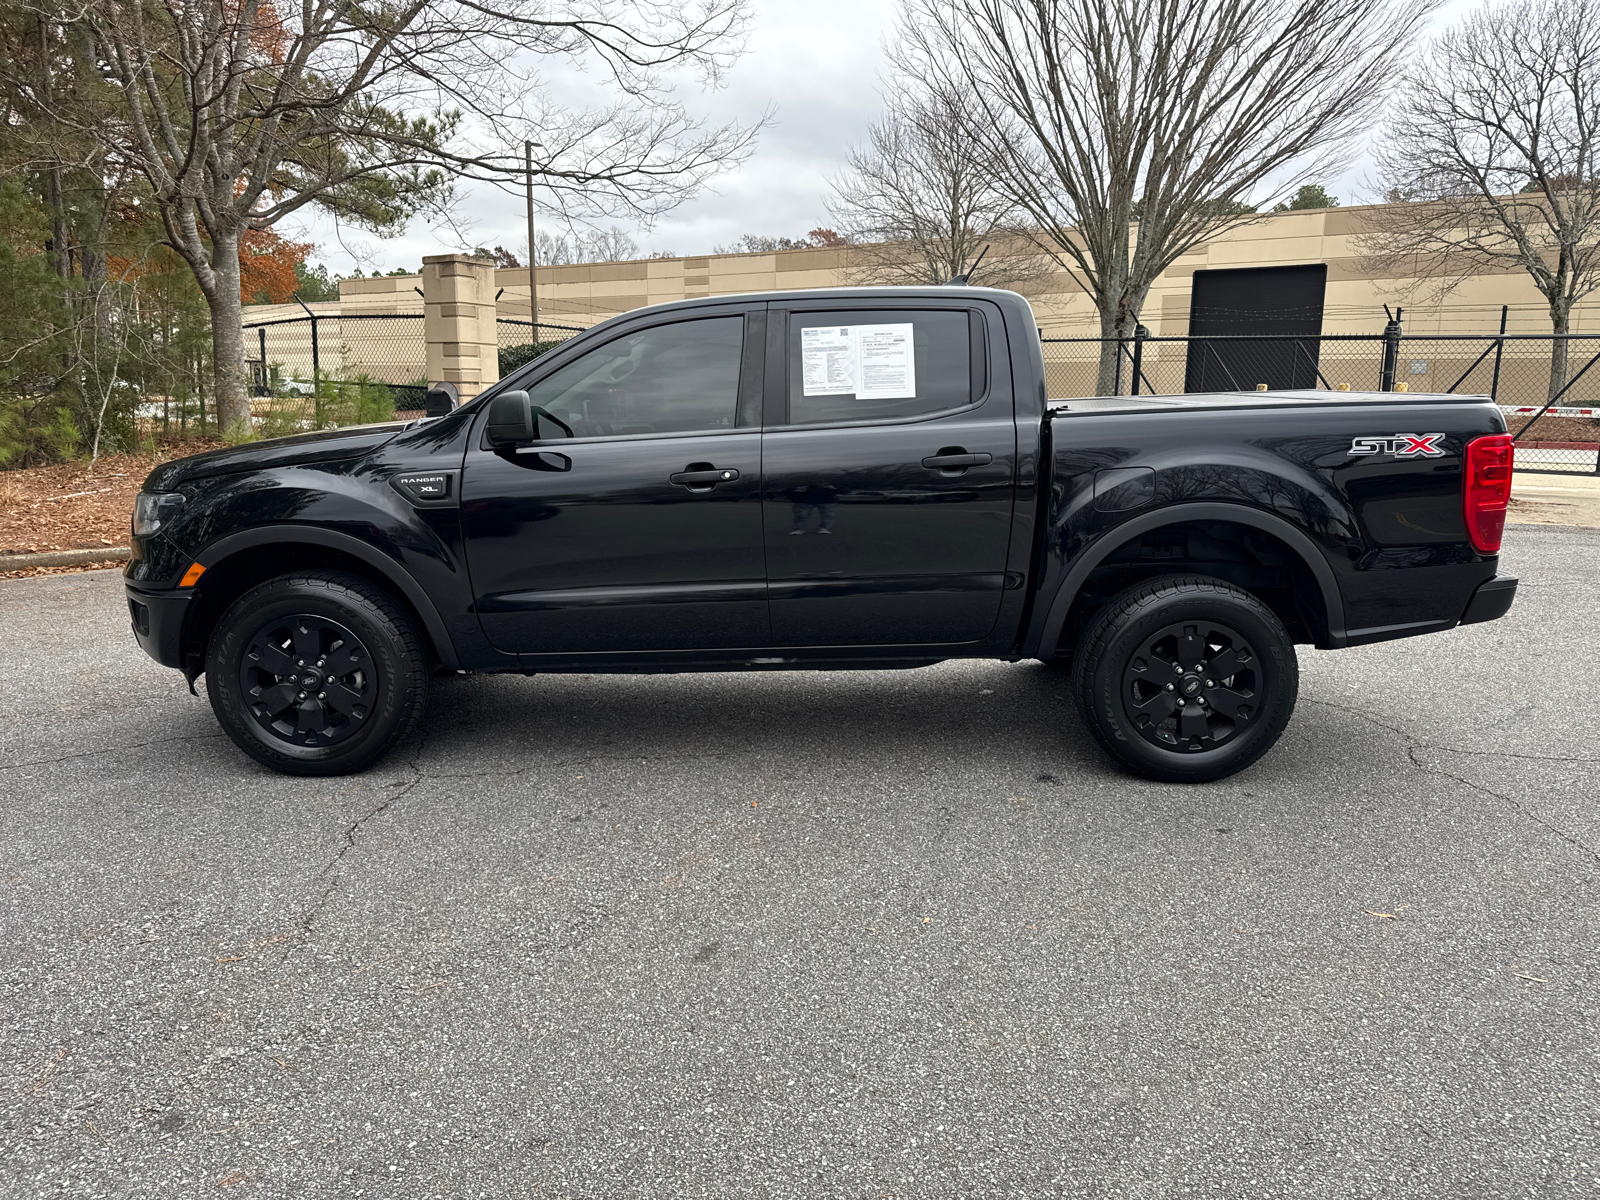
(1115,538)
(386,567)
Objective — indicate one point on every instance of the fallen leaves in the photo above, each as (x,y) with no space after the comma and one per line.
(73,506)
(1387,916)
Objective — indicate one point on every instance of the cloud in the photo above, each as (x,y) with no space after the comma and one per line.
(814,63)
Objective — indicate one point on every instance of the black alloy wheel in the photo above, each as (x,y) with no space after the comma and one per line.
(1186,679)
(307,679)
(1191,686)
(317,673)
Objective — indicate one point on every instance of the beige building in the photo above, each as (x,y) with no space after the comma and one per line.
(585,294)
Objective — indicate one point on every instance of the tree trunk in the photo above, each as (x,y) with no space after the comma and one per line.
(1560,322)
(1106,379)
(227,338)
(59,262)
(1118,320)
(103,361)
(91,233)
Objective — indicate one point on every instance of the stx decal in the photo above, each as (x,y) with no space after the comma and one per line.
(1401,445)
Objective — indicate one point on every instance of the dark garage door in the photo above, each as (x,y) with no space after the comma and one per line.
(1255,300)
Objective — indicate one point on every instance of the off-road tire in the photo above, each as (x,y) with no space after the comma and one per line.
(388,683)
(1122,666)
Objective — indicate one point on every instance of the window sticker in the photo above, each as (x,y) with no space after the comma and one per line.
(828,361)
(886,369)
(872,362)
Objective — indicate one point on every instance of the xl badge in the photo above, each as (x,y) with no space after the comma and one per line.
(1401,445)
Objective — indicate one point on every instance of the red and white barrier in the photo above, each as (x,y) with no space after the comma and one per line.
(1530,409)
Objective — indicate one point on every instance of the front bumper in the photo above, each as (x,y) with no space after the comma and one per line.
(158,620)
(1491,601)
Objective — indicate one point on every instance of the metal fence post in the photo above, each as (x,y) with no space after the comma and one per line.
(1499,349)
(1391,351)
(316,360)
(266,382)
(1139,335)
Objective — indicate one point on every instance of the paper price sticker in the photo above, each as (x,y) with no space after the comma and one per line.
(828,361)
(873,362)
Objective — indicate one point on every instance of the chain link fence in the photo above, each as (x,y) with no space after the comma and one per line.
(523,341)
(1559,433)
(312,372)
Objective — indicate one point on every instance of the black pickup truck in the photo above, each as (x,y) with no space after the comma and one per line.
(822,480)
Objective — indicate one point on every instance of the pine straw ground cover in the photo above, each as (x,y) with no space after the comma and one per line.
(76,506)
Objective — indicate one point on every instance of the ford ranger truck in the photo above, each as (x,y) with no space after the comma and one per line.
(821,480)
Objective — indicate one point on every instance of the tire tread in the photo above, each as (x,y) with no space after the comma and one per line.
(1129,606)
(413,689)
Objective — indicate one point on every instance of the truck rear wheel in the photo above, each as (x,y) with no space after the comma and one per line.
(1186,679)
(317,673)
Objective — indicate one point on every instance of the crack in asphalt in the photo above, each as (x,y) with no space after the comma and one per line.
(1453,749)
(348,843)
(310,915)
(45,762)
(1578,843)
(1415,744)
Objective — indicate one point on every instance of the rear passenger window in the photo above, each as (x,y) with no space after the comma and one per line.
(873,365)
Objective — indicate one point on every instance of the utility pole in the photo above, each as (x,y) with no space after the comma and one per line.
(533,270)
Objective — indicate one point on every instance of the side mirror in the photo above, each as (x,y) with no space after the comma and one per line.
(510,420)
(442,399)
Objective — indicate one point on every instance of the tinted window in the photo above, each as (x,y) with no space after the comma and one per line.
(876,365)
(667,379)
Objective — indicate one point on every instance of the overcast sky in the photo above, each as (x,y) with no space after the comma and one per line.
(814,63)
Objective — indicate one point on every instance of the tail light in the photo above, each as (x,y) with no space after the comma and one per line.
(1486,469)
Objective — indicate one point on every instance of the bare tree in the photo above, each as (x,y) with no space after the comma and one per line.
(1492,159)
(1127,131)
(760,243)
(585,246)
(919,205)
(240,113)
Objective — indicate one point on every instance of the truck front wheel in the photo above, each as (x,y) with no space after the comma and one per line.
(317,673)
(1186,679)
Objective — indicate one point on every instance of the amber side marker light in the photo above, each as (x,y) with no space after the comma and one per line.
(1486,489)
(192,575)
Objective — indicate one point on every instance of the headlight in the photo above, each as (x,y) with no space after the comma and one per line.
(153,510)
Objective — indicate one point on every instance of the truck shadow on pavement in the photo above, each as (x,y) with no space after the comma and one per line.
(961,715)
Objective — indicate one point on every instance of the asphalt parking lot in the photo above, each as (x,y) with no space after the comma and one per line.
(896,934)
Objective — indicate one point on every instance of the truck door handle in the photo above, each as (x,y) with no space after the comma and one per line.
(955,458)
(702,477)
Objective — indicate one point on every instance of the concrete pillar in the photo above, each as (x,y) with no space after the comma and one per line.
(463,343)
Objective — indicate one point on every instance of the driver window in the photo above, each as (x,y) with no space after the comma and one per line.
(680,378)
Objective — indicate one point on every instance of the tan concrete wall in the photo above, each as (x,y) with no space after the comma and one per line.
(582,295)
(391,294)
